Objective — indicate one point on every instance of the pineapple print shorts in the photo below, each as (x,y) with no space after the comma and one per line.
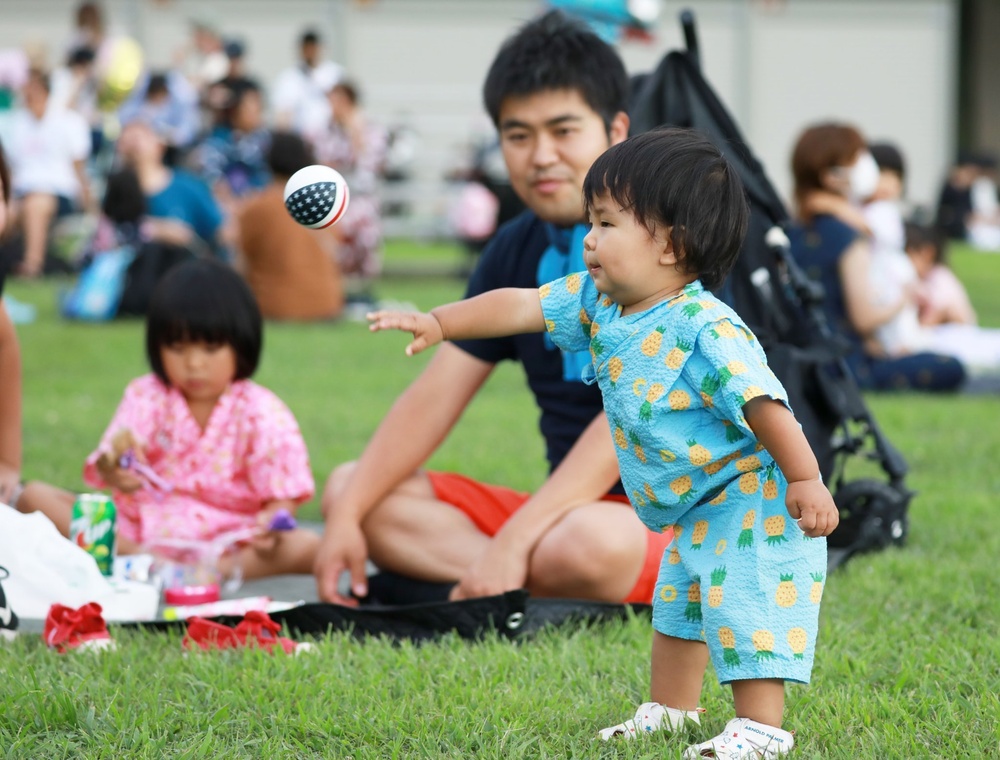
(744,578)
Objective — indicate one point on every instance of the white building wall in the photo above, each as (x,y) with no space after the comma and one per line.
(886,65)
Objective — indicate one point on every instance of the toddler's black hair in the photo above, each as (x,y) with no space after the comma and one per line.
(204,300)
(555,52)
(678,178)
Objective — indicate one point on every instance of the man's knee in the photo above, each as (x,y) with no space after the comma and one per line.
(335,485)
(581,552)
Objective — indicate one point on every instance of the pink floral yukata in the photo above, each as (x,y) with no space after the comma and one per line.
(250,453)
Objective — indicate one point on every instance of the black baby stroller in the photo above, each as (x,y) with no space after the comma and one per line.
(782,306)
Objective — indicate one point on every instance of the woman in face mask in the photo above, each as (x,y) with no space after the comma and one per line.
(834,174)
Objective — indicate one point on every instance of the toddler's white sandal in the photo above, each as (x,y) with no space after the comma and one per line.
(744,739)
(651,716)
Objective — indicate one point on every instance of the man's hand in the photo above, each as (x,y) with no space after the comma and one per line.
(425,327)
(343,549)
(497,570)
(810,502)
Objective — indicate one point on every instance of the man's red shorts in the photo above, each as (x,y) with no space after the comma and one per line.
(490,506)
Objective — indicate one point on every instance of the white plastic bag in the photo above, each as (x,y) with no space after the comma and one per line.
(46,568)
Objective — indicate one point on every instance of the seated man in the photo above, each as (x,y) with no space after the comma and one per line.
(557,94)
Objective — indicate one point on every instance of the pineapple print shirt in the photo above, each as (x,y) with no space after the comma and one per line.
(674,380)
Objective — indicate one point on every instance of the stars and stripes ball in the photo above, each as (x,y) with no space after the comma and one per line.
(316,196)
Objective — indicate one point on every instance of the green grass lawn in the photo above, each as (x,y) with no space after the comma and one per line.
(909,657)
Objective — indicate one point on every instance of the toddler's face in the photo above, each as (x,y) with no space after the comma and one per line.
(636,269)
(201,371)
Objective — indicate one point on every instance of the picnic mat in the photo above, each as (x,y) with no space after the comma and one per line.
(513,615)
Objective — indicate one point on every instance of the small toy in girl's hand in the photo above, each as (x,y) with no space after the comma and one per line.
(282,520)
(129,461)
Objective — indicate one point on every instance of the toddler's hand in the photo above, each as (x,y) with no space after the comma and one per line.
(425,327)
(810,502)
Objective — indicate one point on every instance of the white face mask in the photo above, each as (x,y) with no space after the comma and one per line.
(862,178)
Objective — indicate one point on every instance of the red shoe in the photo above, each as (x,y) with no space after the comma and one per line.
(83,629)
(257,629)
(207,634)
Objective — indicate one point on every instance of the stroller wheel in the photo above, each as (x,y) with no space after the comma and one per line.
(872,516)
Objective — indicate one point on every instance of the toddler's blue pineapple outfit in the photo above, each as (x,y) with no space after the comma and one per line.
(740,574)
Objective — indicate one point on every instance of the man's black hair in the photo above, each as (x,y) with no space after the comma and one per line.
(204,300)
(309,37)
(677,177)
(288,153)
(554,52)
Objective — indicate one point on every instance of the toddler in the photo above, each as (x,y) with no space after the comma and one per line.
(705,440)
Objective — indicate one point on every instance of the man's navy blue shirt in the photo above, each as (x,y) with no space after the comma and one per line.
(567,407)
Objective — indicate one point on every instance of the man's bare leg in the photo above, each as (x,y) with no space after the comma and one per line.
(414,534)
(597,551)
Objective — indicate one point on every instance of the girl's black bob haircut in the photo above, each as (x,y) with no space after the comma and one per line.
(678,178)
(204,300)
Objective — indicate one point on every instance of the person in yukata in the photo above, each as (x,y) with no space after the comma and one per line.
(196,450)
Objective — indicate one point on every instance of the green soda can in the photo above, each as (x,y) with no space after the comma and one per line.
(92,528)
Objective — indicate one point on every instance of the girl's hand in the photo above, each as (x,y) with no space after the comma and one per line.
(118,478)
(267,540)
(108,464)
(810,502)
(425,327)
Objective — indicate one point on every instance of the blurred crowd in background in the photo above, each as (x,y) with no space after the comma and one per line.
(108,155)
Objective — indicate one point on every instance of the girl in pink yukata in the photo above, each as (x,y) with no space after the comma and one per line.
(221,453)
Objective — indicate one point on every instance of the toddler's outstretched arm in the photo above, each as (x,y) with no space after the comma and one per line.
(808,500)
(494,314)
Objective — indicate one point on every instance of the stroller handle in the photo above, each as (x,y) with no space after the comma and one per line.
(690,36)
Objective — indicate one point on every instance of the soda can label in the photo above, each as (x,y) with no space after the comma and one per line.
(92,528)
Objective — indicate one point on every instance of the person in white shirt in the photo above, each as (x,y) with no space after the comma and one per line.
(299,95)
(893,277)
(48,148)
(898,271)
